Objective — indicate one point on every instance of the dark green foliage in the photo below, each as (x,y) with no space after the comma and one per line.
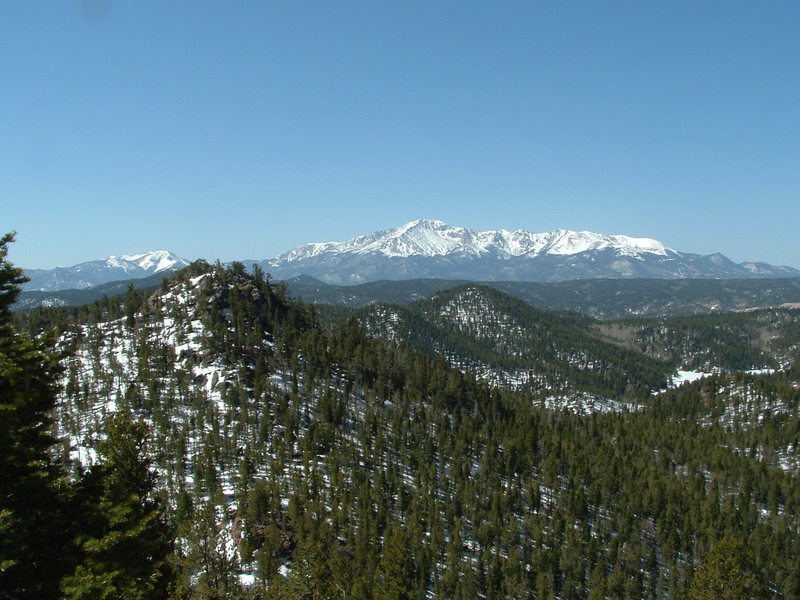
(34,498)
(727,574)
(102,537)
(479,329)
(125,540)
(394,578)
(503,335)
(740,341)
(208,572)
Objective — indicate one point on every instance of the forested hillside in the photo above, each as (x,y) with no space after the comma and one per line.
(751,340)
(509,343)
(302,461)
(605,299)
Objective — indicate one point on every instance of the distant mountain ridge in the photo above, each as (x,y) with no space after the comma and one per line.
(433,249)
(76,297)
(512,344)
(436,238)
(97,272)
(430,249)
(604,299)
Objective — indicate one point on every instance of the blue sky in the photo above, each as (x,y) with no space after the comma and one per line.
(238,130)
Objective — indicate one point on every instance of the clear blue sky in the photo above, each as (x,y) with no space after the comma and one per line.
(238,130)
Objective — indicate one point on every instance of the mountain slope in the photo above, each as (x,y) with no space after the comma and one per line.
(752,340)
(96,272)
(433,249)
(509,343)
(605,299)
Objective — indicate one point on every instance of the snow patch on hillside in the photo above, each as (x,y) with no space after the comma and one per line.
(687,377)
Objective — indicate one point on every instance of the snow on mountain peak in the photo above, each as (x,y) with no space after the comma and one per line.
(103,270)
(574,242)
(428,237)
(155,262)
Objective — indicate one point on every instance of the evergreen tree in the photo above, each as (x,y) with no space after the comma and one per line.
(726,575)
(311,577)
(128,543)
(208,568)
(34,545)
(395,575)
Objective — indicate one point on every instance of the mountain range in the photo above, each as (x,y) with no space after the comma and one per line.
(97,272)
(425,249)
(434,249)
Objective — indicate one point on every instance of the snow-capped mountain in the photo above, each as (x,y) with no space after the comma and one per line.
(430,249)
(96,272)
(434,249)
(436,238)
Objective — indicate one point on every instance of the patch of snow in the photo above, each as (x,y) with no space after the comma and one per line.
(687,377)
(764,371)
(582,403)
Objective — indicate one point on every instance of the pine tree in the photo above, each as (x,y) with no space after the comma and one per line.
(209,568)
(311,577)
(128,543)
(395,575)
(597,583)
(33,492)
(726,575)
